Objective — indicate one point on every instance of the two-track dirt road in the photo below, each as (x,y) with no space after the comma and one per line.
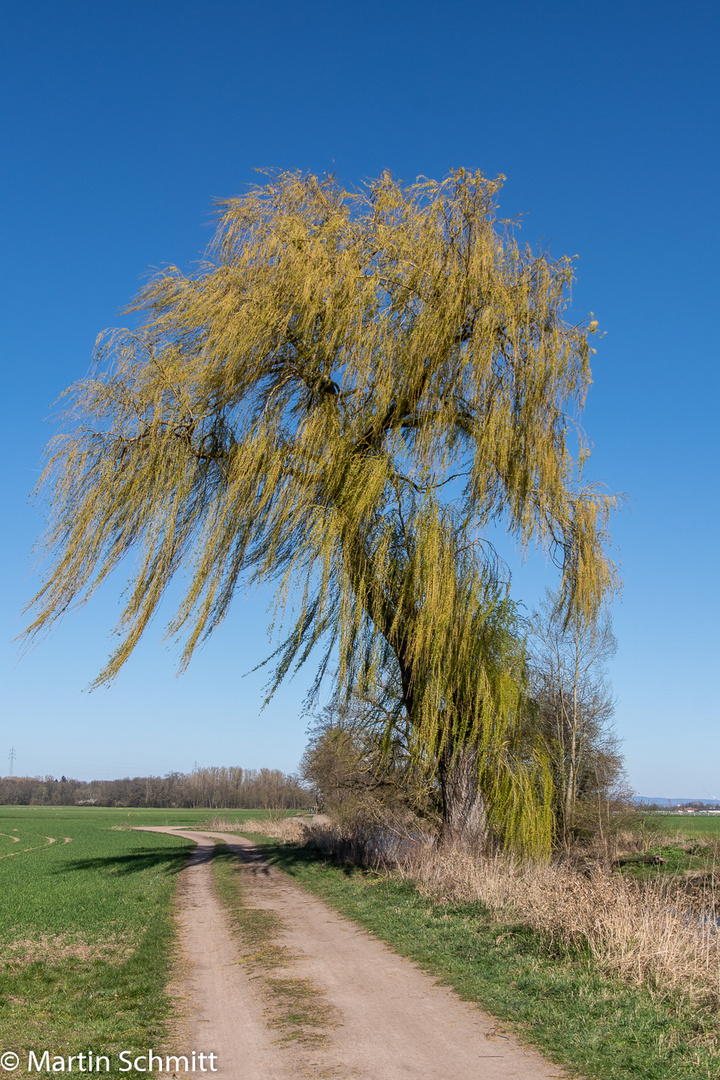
(389,1020)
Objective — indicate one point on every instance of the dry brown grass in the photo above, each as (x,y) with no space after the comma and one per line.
(658,933)
(54,948)
(292,830)
(650,933)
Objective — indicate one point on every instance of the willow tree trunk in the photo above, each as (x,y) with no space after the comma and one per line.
(464,823)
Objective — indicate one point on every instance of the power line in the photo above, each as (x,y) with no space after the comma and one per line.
(11,759)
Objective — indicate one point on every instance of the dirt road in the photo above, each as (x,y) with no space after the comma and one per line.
(382,1018)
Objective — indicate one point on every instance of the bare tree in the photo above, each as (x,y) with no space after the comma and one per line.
(360,759)
(575,704)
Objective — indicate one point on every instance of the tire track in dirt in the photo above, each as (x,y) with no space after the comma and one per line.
(221,1011)
(22,851)
(395,1021)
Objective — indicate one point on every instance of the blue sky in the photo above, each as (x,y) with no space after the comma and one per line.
(123,121)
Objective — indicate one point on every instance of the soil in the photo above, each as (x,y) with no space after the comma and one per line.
(382,1018)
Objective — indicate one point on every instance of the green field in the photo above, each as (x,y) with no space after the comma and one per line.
(689,825)
(86,934)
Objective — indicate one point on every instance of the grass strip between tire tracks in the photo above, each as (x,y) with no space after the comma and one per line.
(294,1007)
(555,999)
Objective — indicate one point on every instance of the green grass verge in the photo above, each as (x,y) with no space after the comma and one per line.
(556,999)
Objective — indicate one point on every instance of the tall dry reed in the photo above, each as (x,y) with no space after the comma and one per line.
(292,830)
(655,933)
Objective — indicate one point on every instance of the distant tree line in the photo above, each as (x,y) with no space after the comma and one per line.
(215,788)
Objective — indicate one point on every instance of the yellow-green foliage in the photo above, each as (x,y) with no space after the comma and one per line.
(340,399)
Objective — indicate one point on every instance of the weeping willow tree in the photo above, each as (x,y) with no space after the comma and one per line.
(343,398)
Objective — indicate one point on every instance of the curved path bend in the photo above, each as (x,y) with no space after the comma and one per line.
(392,1021)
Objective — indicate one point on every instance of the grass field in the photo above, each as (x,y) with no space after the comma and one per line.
(86,934)
(689,825)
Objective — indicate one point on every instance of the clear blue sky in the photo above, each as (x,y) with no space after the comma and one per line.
(122,121)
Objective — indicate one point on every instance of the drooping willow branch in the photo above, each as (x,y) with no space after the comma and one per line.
(346,393)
